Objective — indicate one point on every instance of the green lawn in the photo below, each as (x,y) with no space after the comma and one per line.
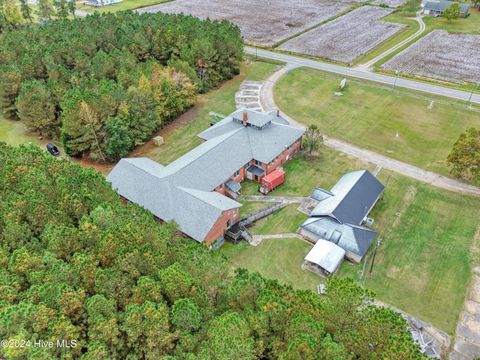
(470,25)
(124,5)
(370,115)
(284,221)
(279,259)
(181,136)
(16,133)
(424,264)
(249,207)
(304,175)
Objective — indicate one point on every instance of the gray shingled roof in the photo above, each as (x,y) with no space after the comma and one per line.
(353,197)
(441,6)
(183,190)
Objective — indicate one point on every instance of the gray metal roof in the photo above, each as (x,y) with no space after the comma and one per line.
(327,255)
(255,170)
(183,190)
(233,185)
(441,6)
(355,239)
(320,194)
(353,197)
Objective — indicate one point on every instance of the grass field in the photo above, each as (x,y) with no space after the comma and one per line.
(16,133)
(279,259)
(277,224)
(370,115)
(181,136)
(124,5)
(469,25)
(424,263)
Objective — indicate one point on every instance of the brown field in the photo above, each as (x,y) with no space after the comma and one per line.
(347,37)
(441,55)
(262,22)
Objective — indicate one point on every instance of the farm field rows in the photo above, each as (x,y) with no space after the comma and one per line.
(264,23)
(347,37)
(401,124)
(441,55)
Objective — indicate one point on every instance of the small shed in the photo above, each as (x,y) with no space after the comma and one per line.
(324,258)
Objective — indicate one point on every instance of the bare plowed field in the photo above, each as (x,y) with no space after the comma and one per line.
(347,37)
(441,55)
(262,22)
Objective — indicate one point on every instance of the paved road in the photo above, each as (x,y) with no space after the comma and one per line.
(268,103)
(369,64)
(365,74)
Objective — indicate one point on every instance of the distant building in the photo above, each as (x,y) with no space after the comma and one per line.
(197,190)
(99,3)
(437,8)
(338,219)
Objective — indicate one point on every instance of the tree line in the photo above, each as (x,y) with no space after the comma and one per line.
(105,83)
(16,14)
(77,264)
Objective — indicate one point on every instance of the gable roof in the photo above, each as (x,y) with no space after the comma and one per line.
(327,255)
(183,190)
(356,239)
(441,6)
(353,197)
(194,211)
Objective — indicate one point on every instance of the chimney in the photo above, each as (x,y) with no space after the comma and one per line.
(245,118)
(278,113)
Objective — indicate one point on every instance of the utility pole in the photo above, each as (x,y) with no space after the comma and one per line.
(379,241)
(397,72)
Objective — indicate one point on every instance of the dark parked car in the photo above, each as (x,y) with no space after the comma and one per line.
(52,149)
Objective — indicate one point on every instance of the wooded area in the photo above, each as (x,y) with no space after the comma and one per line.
(105,83)
(76,263)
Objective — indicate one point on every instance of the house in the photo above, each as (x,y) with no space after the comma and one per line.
(340,213)
(99,3)
(197,190)
(437,8)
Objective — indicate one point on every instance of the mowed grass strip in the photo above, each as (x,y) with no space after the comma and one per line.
(401,124)
(424,263)
(278,259)
(121,6)
(284,221)
(181,135)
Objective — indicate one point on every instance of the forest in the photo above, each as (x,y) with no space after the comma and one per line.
(78,263)
(105,83)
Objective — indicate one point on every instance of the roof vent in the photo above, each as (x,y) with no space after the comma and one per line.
(245,118)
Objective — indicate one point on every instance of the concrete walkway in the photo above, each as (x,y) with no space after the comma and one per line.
(368,65)
(467,342)
(268,103)
(257,239)
(277,199)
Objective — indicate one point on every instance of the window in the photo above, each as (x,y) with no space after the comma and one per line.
(258,163)
(236,173)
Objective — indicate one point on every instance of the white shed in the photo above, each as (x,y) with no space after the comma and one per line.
(325,256)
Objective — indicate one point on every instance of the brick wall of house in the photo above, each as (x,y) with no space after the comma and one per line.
(218,230)
(286,155)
